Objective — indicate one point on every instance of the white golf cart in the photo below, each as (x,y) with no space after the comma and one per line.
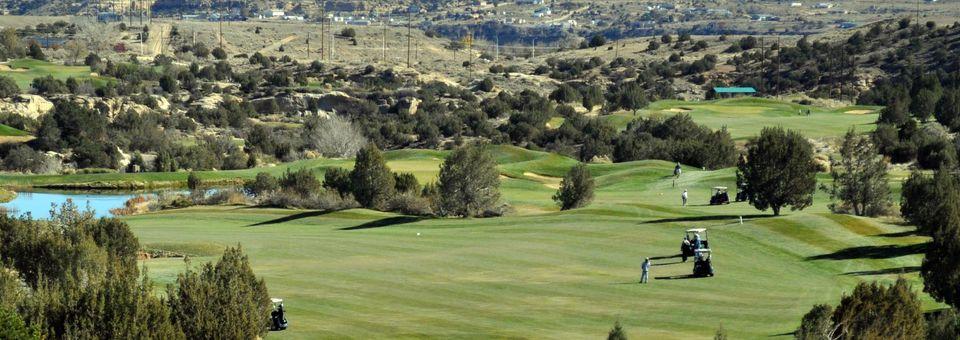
(278,318)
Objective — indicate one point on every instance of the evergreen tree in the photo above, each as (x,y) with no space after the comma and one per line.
(8,88)
(941,265)
(617,332)
(372,181)
(576,188)
(469,182)
(779,171)
(225,300)
(859,177)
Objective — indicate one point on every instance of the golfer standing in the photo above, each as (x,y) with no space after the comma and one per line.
(646,270)
(683,197)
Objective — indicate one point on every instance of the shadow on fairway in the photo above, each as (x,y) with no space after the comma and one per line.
(901,234)
(873,252)
(666,257)
(676,277)
(900,270)
(790,334)
(385,222)
(705,218)
(293,217)
(666,264)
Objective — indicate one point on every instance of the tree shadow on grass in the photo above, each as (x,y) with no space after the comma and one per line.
(913,232)
(677,277)
(873,252)
(294,217)
(705,218)
(900,270)
(386,222)
(790,334)
(666,264)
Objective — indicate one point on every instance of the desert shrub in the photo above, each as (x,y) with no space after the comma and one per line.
(469,183)
(301,182)
(338,179)
(224,300)
(576,188)
(406,182)
(263,183)
(409,203)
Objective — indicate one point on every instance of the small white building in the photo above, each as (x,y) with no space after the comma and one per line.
(823,5)
(796,4)
(274,13)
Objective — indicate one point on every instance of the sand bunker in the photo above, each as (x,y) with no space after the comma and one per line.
(7,68)
(549,182)
(677,110)
(859,112)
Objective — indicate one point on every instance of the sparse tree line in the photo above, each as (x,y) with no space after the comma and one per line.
(468,186)
(75,276)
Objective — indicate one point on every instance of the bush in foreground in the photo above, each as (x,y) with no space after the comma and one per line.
(872,311)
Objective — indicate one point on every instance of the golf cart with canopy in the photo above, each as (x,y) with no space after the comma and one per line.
(696,245)
(701,263)
(719,196)
(278,318)
(690,242)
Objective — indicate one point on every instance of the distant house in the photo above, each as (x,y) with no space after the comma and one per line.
(274,13)
(764,17)
(542,12)
(823,5)
(847,25)
(796,4)
(726,92)
(529,2)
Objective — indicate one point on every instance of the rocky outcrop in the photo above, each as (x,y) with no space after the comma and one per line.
(27,105)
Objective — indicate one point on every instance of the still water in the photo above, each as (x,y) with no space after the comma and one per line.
(38,204)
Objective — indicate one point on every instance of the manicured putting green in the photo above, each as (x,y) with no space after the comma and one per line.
(745,117)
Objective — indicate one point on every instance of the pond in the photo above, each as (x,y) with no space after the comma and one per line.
(38,204)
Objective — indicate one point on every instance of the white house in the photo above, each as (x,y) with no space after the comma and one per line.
(274,13)
(796,4)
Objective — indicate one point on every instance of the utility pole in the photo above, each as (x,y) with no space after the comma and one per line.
(533,49)
(383,43)
(409,33)
(308,44)
(763,59)
(323,19)
(497,49)
(333,40)
(779,49)
(220,19)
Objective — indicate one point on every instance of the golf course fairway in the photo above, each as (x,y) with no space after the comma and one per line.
(542,273)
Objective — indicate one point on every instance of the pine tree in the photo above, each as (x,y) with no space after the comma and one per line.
(469,182)
(617,332)
(372,181)
(779,171)
(576,188)
(859,177)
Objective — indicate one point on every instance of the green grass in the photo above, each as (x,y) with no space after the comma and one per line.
(745,117)
(7,131)
(23,71)
(540,272)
